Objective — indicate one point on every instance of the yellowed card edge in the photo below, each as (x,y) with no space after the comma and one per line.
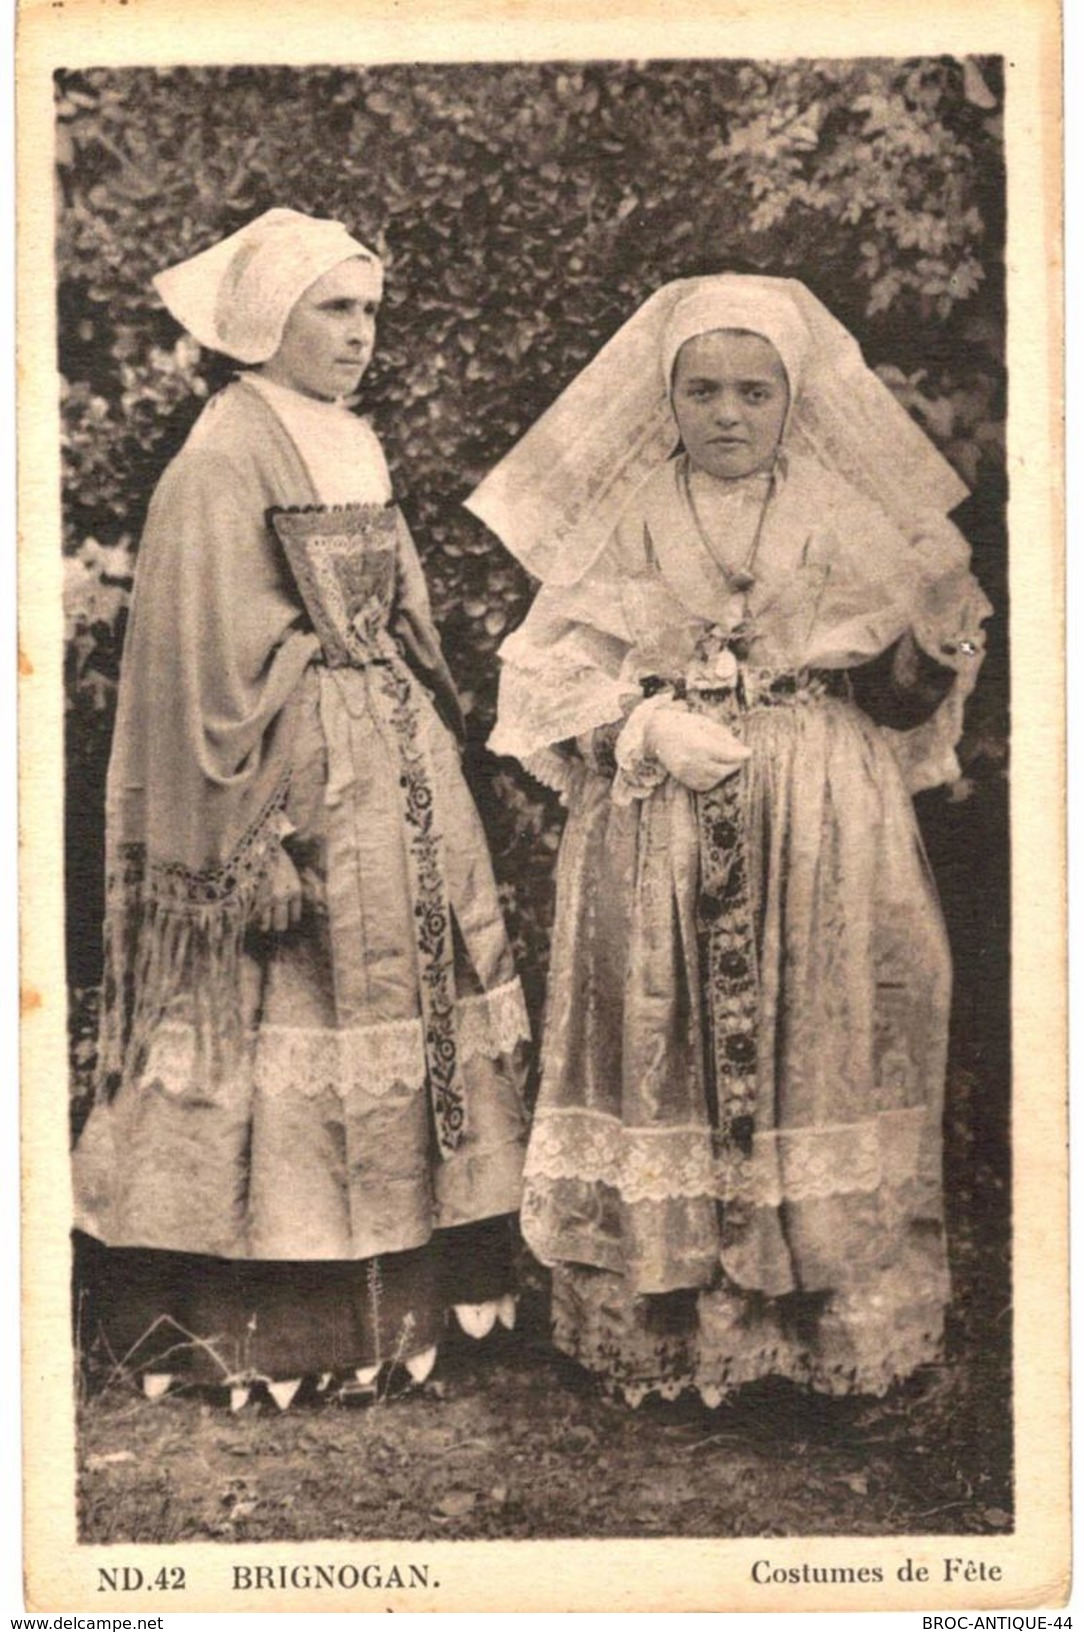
(674,1573)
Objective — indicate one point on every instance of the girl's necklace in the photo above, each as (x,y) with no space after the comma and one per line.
(739,579)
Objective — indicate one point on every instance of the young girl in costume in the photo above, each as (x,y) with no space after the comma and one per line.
(308,1135)
(744,659)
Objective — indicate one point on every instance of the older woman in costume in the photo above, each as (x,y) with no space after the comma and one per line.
(744,658)
(308,1135)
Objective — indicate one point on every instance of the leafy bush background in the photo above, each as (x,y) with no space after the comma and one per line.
(525,211)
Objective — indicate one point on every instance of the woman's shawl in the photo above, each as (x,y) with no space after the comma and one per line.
(857,587)
(200,767)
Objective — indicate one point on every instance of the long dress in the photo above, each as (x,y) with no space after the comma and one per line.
(735,1162)
(308,1144)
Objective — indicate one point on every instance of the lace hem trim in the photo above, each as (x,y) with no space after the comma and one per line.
(873,1374)
(683,1163)
(861,1341)
(374,1060)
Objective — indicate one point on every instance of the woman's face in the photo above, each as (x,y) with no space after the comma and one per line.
(730,398)
(328,339)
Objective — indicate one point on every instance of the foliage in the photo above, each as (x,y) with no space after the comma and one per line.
(524,210)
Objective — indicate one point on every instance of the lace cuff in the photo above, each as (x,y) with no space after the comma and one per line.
(639,773)
(552,768)
(540,707)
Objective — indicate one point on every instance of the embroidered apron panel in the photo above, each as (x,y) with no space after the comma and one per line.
(344,562)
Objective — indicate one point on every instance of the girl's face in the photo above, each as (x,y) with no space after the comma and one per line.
(730,399)
(328,339)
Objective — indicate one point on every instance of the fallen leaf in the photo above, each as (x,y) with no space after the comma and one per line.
(456,1504)
(106,1458)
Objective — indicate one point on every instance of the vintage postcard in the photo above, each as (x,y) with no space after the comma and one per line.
(542,808)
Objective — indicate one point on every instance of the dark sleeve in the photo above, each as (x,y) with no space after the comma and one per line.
(902,687)
(595,748)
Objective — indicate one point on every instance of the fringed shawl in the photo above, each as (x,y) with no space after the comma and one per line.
(200,768)
(200,764)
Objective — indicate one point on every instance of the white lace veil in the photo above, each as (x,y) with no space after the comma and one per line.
(555,498)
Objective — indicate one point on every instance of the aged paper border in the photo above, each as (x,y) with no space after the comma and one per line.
(671,1574)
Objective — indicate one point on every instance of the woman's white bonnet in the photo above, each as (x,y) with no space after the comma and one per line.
(236,296)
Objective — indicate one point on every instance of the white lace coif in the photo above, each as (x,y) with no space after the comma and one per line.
(555,498)
(729,303)
(236,296)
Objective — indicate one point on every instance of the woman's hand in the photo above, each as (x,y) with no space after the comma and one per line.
(280,908)
(696,751)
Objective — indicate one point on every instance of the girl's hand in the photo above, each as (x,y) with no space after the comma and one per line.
(280,909)
(697,752)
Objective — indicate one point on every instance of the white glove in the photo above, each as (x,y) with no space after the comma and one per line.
(697,752)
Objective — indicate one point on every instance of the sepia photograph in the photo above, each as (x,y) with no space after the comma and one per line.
(538,913)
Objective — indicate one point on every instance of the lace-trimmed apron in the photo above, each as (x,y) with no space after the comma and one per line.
(824,1007)
(344,561)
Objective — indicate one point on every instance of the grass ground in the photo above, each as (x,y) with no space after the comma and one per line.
(510,1440)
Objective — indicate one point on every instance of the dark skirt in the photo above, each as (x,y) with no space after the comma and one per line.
(227,1322)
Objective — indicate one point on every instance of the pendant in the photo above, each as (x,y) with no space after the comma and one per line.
(741,580)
